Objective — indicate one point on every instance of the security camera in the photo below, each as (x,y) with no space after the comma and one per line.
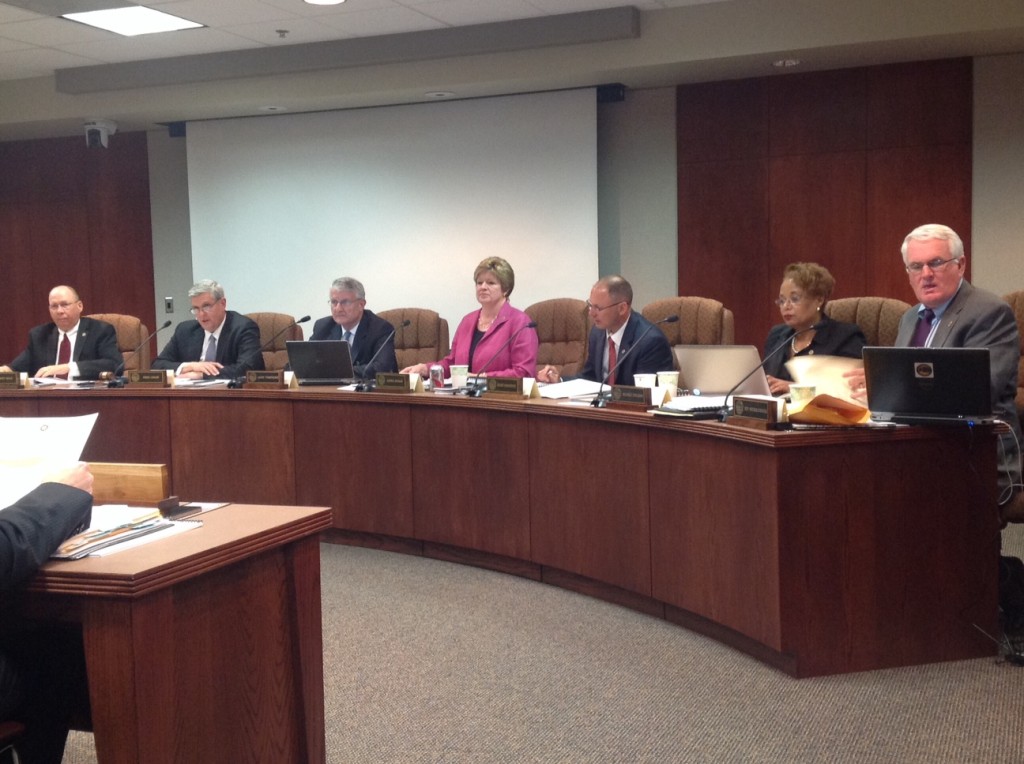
(98,132)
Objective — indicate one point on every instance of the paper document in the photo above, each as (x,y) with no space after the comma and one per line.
(33,447)
(115,527)
(573,388)
(825,372)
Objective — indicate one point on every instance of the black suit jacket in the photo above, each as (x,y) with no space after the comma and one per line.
(35,525)
(831,338)
(372,332)
(650,354)
(95,349)
(238,348)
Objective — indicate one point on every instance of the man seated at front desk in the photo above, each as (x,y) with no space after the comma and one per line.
(69,346)
(620,336)
(219,343)
(364,331)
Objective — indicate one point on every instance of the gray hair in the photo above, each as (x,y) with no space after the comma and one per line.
(349,284)
(206,286)
(935,231)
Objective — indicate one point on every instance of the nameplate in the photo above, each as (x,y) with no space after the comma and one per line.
(153,378)
(631,397)
(756,413)
(265,380)
(513,387)
(13,380)
(399,383)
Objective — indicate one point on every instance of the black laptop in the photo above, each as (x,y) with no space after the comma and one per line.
(321,362)
(928,385)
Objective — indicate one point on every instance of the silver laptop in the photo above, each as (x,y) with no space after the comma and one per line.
(716,369)
(321,362)
(928,385)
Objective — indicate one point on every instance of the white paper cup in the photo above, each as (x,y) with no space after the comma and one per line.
(459,374)
(645,380)
(801,394)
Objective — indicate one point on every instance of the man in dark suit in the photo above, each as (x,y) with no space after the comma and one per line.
(366,332)
(69,346)
(42,670)
(220,343)
(619,335)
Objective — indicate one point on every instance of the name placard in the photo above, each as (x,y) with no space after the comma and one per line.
(513,387)
(265,380)
(399,383)
(629,396)
(757,413)
(153,378)
(13,380)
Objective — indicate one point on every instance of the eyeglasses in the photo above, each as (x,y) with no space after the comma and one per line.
(598,309)
(342,303)
(60,305)
(793,299)
(202,309)
(935,265)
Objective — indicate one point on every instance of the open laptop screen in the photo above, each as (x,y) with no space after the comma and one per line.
(321,362)
(714,369)
(928,385)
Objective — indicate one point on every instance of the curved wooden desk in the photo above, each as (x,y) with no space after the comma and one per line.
(818,552)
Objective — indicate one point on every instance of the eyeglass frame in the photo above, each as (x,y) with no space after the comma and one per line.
(205,309)
(935,265)
(61,305)
(793,300)
(346,304)
(596,309)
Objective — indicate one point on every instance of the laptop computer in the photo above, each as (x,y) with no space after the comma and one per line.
(321,362)
(715,369)
(928,385)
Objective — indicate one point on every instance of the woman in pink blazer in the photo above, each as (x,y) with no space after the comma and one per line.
(482,338)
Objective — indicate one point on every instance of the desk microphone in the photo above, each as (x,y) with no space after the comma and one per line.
(725,404)
(364,384)
(476,390)
(119,380)
(600,401)
(240,381)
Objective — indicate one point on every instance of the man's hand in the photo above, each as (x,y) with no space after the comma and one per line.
(58,370)
(78,476)
(200,369)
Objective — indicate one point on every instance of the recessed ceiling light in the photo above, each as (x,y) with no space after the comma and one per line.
(132,21)
(440,94)
(325,2)
(786,63)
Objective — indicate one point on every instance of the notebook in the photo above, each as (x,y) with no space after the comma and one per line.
(928,385)
(715,369)
(321,362)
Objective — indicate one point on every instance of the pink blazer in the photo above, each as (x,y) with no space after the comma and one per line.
(518,359)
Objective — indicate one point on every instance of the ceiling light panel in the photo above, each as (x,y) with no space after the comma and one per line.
(133,21)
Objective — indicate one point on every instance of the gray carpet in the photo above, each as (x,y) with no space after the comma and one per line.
(428,661)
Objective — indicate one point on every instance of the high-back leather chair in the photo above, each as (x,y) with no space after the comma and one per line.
(702,321)
(276,356)
(130,334)
(562,330)
(878,317)
(1016,300)
(425,339)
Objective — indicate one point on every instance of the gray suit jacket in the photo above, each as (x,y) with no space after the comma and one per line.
(979,319)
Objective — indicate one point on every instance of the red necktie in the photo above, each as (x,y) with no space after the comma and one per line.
(64,354)
(611,361)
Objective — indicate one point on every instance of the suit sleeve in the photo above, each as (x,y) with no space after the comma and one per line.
(591,368)
(28,360)
(103,355)
(386,361)
(997,331)
(247,353)
(35,525)
(171,355)
(850,341)
(655,355)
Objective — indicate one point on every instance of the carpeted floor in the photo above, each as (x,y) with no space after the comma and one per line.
(428,661)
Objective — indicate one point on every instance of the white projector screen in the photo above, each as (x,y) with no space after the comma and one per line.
(407,199)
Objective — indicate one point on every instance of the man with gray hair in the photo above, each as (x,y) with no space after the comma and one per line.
(219,343)
(366,332)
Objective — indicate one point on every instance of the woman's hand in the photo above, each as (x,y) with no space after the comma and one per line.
(548,374)
(777,386)
(420,368)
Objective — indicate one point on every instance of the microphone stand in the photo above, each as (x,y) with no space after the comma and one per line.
(601,400)
(775,351)
(477,390)
(119,380)
(366,385)
(239,381)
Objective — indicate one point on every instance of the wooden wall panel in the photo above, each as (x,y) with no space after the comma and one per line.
(836,168)
(823,221)
(75,215)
